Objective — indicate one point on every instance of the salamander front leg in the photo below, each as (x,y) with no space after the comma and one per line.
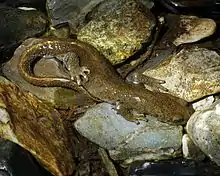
(76,72)
(80,75)
(150,83)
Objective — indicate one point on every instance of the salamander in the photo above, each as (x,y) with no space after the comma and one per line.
(103,82)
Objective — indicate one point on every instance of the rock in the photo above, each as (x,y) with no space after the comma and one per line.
(118,29)
(38,4)
(37,127)
(195,3)
(203,128)
(62,32)
(15,161)
(175,167)
(127,140)
(190,74)
(16,25)
(147,3)
(190,150)
(181,29)
(63,11)
(59,97)
(193,29)
(110,167)
(87,155)
(203,103)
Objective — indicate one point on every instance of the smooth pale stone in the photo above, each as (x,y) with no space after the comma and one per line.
(127,140)
(204,103)
(193,29)
(203,128)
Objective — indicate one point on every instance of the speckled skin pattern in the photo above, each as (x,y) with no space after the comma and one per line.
(104,83)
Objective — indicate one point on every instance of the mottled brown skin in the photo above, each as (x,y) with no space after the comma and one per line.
(104,83)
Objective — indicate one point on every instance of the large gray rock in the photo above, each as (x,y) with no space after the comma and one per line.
(203,128)
(151,140)
(68,10)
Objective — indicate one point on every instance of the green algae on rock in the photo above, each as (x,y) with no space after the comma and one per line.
(118,29)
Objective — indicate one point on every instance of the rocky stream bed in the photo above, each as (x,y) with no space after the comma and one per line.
(136,90)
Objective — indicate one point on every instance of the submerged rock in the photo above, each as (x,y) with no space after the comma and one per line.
(118,28)
(151,140)
(37,127)
(16,25)
(203,128)
(190,74)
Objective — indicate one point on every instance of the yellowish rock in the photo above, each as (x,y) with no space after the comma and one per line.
(190,74)
(36,127)
(192,29)
(119,29)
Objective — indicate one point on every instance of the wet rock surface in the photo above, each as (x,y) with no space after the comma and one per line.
(71,12)
(182,29)
(204,103)
(194,29)
(17,25)
(61,12)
